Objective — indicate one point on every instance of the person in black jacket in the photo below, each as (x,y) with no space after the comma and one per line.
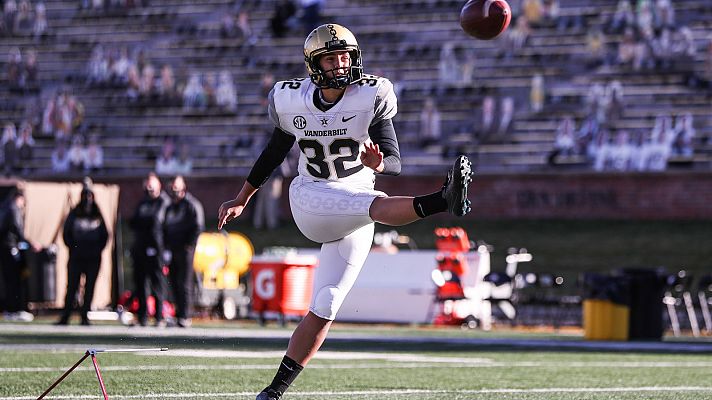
(147,249)
(85,235)
(183,221)
(12,241)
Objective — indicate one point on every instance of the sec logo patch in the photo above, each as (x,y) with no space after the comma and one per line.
(300,122)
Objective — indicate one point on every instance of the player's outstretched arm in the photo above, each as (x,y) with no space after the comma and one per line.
(232,209)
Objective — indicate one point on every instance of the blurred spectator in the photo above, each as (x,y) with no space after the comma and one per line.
(98,67)
(684,135)
(194,95)
(120,68)
(683,44)
(228,27)
(644,18)
(94,155)
(596,49)
(77,153)
(9,13)
(266,85)
(147,81)
(166,162)
(133,83)
(533,12)
(565,142)
(24,21)
(429,123)
(506,117)
(485,125)
(245,28)
(637,158)
(182,220)
(60,158)
(632,52)
(147,250)
(13,72)
(663,130)
(210,85)
(662,47)
(39,28)
(664,15)
(68,114)
(655,153)
(616,156)
(515,38)
(536,94)
(167,85)
(586,137)
(29,70)
(9,138)
(448,64)
(467,65)
(622,19)
(311,14)
(47,114)
(284,18)
(12,240)
(184,164)
(85,235)
(551,15)
(226,95)
(613,104)
(595,102)
(708,59)
(25,147)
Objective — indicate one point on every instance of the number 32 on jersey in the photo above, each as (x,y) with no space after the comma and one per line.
(316,154)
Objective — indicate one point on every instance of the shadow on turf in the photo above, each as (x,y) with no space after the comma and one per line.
(369,344)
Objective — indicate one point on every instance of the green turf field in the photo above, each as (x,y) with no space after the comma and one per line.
(236,369)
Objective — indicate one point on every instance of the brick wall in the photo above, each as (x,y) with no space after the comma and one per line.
(669,195)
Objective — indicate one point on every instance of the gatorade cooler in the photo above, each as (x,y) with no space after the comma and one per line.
(282,285)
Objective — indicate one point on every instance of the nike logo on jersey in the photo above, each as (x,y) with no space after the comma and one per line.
(344,119)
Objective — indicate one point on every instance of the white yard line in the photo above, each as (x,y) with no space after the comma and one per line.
(389,364)
(357,393)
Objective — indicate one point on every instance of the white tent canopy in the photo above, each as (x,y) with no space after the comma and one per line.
(47,207)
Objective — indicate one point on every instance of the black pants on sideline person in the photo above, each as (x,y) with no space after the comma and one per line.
(181,277)
(149,279)
(12,278)
(75,268)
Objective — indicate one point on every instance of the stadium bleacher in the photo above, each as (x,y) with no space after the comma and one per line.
(400,37)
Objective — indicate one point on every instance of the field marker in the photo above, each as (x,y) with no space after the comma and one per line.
(92,353)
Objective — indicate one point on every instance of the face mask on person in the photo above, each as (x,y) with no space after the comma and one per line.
(176,194)
(88,200)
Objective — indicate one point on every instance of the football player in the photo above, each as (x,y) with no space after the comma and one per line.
(341,120)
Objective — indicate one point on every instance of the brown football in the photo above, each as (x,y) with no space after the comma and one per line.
(485,19)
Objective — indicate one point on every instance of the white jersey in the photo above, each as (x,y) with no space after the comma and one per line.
(331,141)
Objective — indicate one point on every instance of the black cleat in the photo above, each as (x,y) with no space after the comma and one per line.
(268,394)
(455,187)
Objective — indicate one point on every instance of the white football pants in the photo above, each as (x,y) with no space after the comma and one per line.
(336,215)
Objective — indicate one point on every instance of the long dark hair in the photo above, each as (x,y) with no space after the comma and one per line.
(81,208)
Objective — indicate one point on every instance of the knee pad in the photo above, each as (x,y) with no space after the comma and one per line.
(326,302)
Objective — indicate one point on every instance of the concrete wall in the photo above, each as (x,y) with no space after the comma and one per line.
(669,195)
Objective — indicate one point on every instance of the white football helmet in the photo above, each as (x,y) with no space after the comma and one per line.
(326,39)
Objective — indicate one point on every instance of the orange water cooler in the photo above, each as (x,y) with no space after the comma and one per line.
(282,285)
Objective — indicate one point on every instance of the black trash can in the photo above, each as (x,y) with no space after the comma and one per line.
(605,307)
(646,290)
(42,275)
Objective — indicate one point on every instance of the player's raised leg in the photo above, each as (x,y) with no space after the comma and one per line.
(452,197)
